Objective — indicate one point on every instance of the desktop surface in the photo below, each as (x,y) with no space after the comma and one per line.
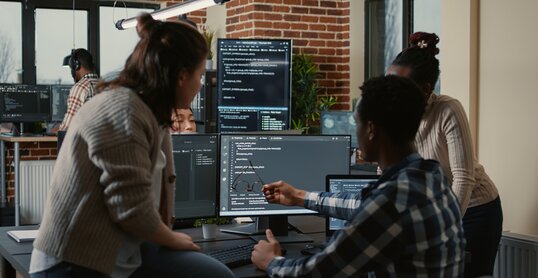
(18,254)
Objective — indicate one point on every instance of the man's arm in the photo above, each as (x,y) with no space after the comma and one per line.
(340,205)
(367,244)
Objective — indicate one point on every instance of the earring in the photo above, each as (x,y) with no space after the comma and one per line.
(371,136)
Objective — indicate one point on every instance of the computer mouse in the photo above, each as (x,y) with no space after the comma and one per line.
(312,249)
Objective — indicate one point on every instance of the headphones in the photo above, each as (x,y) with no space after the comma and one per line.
(74,63)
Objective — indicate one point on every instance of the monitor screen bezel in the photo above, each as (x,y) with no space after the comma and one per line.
(42,117)
(304,211)
(216,208)
(328,178)
(219,71)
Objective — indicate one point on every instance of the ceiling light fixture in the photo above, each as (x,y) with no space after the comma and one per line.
(172,11)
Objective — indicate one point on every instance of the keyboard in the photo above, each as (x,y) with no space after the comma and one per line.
(234,256)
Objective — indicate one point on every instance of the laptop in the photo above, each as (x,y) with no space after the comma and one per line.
(344,183)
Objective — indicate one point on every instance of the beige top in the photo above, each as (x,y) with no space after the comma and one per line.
(101,188)
(444,135)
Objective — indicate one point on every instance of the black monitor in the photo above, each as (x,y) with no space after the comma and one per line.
(24,103)
(339,122)
(59,95)
(248,161)
(253,85)
(345,184)
(195,159)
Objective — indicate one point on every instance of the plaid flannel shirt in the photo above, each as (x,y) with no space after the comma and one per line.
(407,224)
(81,92)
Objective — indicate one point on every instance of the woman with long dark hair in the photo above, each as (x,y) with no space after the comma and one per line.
(109,207)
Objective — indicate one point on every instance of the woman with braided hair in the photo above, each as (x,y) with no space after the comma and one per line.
(444,135)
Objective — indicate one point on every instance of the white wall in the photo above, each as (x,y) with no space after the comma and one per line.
(356,37)
(508,107)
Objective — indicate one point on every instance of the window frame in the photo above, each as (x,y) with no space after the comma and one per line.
(407,29)
(28,8)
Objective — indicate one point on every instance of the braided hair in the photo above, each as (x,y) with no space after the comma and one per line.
(420,57)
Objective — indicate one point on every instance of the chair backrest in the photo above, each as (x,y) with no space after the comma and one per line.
(61,136)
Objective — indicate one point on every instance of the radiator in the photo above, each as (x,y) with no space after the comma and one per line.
(35,176)
(517,256)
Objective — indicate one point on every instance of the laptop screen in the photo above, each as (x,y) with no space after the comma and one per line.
(345,183)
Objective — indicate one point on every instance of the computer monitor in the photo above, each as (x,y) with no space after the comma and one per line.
(253,85)
(339,122)
(345,184)
(195,159)
(59,95)
(24,103)
(248,161)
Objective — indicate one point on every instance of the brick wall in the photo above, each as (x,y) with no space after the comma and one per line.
(27,151)
(317,27)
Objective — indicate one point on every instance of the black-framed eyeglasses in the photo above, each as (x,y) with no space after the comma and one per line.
(244,186)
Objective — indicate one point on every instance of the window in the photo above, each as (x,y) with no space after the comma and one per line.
(387,29)
(10,42)
(40,33)
(115,45)
(54,40)
(427,18)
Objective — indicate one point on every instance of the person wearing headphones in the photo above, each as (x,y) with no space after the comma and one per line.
(83,72)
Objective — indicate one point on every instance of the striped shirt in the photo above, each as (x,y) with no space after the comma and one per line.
(81,92)
(407,224)
(444,135)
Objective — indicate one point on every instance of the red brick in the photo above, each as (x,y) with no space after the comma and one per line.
(292,34)
(316,43)
(297,43)
(342,20)
(290,17)
(326,36)
(334,12)
(310,3)
(309,18)
(308,50)
(263,24)
(299,10)
(327,19)
(273,2)
(271,16)
(281,25)
(311,35)
(265,8)
(327,67)
(326,83)
(328,4)
(281,9)
(317,27)
(299,26)
(317,11)
(326,51)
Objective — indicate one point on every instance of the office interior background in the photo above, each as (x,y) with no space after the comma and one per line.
(488,61)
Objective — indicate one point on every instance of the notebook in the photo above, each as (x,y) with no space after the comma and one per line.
(344,183)
(23,235)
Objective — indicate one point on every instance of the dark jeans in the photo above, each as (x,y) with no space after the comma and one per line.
(483,227)
(158,261)
(65,269)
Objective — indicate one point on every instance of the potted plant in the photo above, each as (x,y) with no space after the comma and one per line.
(210,225)
(306,102)
(208,35)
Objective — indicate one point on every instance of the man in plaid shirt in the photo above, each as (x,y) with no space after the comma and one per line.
(407,224)
(83,72)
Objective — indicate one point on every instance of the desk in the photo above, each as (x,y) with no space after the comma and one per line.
(17,255)
(16,140)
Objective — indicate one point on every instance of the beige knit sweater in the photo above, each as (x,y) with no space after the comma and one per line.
(444,135)
(101,185)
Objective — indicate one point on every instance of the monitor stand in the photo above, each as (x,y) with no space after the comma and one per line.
(277,224)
